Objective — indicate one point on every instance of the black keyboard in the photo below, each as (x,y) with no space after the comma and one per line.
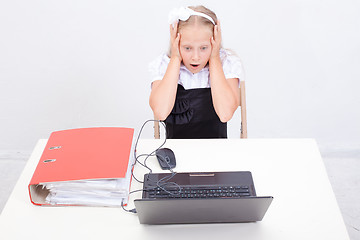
(198,192)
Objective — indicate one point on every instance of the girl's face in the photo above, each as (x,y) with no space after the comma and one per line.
(195,46)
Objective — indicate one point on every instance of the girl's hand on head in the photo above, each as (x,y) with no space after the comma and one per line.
(175,41)
(216,41)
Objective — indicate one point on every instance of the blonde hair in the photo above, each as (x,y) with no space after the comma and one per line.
(198,19)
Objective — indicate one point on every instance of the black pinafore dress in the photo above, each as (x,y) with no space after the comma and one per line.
(193,116)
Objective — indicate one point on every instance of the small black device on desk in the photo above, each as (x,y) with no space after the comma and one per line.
(166,158)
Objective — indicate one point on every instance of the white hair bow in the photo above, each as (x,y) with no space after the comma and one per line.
(183,14)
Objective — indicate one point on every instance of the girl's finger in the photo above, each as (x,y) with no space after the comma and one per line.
(177,39)
(176,27)
(217,32)
(172,31)
(212,41)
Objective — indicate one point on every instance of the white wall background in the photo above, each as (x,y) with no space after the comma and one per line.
(83,63)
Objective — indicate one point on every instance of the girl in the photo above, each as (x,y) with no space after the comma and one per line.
(195,87)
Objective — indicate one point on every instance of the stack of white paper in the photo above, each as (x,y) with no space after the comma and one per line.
(100,192)
(95,192)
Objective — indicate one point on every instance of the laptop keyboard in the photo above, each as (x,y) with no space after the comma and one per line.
(199,192)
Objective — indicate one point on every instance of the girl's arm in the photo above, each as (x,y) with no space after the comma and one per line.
(225,92)
(163,92)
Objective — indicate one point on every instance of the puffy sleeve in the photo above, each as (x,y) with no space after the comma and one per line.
(158,66)
(232,66)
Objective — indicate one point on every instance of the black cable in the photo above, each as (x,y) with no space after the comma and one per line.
(142,164)
(131,210)
(164,181)
(147,155)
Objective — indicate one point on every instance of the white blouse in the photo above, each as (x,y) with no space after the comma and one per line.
(232,67)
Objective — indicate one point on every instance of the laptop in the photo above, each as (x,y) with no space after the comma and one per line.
(200,197)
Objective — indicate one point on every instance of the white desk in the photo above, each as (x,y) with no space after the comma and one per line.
(291,170)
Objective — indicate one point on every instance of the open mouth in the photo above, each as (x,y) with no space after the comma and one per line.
(195,65)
